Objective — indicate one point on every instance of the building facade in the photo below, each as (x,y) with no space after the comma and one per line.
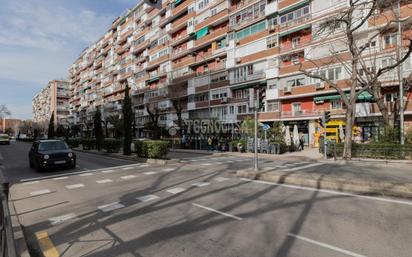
(52,99)
(201,59)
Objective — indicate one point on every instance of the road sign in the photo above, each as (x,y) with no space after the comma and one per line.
(265,127)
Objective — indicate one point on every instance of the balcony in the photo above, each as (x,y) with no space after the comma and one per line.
(300,21)
(302,113)
(249,77)
(215,34)
(215,19)
(180,23)
(271,8)
(139,47)
(180,8)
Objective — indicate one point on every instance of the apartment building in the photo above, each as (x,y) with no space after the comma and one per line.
(52,99)
(209,54)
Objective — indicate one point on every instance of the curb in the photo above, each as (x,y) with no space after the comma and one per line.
(342,185)
(21,244)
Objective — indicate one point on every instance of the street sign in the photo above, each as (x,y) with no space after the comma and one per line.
(265,127)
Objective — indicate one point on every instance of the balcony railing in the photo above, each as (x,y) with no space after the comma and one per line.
(248,77)
(296,22)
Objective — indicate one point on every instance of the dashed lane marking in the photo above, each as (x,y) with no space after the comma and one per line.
(46,245)
(150,173)
(74,186)
(147,198)
(110,207)
(60,178)
(331,247)
(221,179)
(108,171)
(128,177)
(104,181)
(201,184)
(128,168)
(176,190)
(40,192)
(86,174)
(217,211)
(61,219)
(168,170)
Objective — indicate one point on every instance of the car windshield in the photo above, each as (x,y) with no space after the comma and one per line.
(55,145)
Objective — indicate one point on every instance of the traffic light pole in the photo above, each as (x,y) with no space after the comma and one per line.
(256,168)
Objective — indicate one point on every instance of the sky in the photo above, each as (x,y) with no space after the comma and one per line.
(40,39)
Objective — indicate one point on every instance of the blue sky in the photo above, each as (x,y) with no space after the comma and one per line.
(40,39)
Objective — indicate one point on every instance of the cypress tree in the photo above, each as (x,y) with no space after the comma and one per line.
(50,132)
(127,122)
(98,129)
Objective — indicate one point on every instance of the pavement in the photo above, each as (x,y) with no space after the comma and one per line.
(199,207)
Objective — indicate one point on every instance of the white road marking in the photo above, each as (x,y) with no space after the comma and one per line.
(74,186)
(176,190)
(86,174)
(144,165)
(201,184)
(40,192)
(128,168)
(221,179)
(331,247)
(305,166)
(104,181)
(31,182)
(147,198)
(150,173)
(128,177)
(60,178)
(206,164)
(216,211)
(168,170)
(330,192)
(61,219)
(74,173)
(107,171)
(110,207)
(267,168)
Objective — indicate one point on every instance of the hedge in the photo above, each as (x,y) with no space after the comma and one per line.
(88,143)
(73,142)
(375,151)
(112,145)
(155,149)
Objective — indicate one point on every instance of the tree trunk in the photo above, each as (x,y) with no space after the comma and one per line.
(347,150)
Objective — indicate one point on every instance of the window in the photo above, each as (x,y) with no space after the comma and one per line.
(388,61)
(391,97)
(256,28)
(241,93)
(294,15)
(191,9)
(296,108)
(296,82)
(272,41)
(389,40)
(295,59)
(336,104)
(295,41)
(273,106)
(242,109)
(213,11)
(231,109)
(218,94)
(331,74)
(248,14)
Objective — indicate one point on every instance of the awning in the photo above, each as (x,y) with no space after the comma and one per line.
(293,7)
(364,96)
(202,32)
(152,80)
(177,2)
(249,85)
(288,32)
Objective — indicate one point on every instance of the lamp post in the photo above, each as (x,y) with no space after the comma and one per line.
(400,77)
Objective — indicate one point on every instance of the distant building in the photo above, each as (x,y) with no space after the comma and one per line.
(54,98)
(9,125)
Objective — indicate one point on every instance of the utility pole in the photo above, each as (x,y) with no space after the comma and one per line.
(256,129)
(400,77)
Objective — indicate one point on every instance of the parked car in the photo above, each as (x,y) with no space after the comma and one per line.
(47,154)
(4,139)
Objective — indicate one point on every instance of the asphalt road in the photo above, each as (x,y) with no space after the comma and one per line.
(198,208)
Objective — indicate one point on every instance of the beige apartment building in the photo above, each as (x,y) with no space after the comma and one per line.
(210,53)
(53,98)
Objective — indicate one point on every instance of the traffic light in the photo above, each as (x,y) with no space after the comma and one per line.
(325,118)
(154,3)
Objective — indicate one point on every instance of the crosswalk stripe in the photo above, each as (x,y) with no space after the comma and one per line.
(74,186)
(176,190)
(111,207)
(146,198)
(305,166)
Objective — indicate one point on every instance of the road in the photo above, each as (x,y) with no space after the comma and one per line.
(198,208)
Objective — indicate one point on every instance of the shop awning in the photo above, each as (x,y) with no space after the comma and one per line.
(152,79)
(177,2)
(364,96)
(293,7)
(288,32)
(201,33)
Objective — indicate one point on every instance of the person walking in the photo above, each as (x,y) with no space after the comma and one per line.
(210,144)
(301,142)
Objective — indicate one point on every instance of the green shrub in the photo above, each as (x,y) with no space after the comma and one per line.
(155,149)
(112,145)
(73,142)
(88,143)
(375,151)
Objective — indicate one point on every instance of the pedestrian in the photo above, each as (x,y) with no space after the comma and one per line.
(209,144)
(301,143)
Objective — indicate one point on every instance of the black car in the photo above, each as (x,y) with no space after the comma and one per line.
(45,154)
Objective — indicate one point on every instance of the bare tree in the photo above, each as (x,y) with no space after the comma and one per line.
(176,94)
(357,54)
(4,111)
(154,115)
